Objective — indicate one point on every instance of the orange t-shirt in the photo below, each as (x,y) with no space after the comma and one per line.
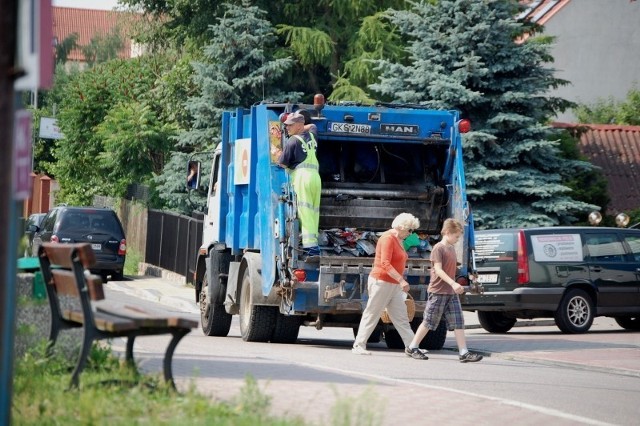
(389,254)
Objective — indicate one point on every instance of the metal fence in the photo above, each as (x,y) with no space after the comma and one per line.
(173,241)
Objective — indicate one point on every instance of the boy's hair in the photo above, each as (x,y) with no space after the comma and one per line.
(451,226)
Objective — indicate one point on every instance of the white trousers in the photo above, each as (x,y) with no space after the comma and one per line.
(383,295)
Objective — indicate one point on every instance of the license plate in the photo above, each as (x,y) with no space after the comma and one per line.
(488,278)
(358,129)
(96,246)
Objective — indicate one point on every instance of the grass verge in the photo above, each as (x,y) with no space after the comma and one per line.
(111,393)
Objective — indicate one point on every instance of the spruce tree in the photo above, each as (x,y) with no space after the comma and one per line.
(464,55)
(238,70)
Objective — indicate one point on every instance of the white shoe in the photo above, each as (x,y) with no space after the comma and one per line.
(359,350)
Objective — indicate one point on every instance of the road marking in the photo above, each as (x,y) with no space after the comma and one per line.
(543,410)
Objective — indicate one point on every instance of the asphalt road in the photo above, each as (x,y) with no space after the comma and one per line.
(529,375)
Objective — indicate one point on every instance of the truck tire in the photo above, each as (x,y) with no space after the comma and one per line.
(495,322)
(257,323)
(376,335)
(392,339)
(214,320)
(575,313)
(286,329)
(629,323)
(434,340)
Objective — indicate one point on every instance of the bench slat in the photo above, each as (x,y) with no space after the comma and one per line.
(143,316)
(104,322)
(65,282)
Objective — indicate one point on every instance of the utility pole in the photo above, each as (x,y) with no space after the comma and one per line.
(8,73)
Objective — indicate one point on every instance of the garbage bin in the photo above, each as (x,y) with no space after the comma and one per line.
(32,265)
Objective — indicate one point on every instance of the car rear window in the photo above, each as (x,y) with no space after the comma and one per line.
(498,246)
(96,220)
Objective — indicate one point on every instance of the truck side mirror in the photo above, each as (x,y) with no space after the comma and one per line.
(193,175)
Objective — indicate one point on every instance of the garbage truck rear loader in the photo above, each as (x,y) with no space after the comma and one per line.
(375,163)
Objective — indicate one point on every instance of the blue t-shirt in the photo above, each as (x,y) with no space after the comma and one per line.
(293,152)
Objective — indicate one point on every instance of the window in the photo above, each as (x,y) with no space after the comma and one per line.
(605,248)
(634,245)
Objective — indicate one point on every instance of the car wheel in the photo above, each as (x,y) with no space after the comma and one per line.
(628,323)
(495,322)
(575,313)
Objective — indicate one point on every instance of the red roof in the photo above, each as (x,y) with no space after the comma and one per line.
(88,23)
(616,149)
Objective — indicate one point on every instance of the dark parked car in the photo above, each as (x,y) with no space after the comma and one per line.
(30,227)
(98,226)
(571,274)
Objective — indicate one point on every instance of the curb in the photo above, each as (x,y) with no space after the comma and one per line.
(532,323)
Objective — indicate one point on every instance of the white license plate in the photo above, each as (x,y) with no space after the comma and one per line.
(358,129)
(488,278)
(96,246)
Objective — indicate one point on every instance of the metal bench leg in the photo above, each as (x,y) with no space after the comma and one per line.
(178,334)
(53,335)
(87,341)
(129,353)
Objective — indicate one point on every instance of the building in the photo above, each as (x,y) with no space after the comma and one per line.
(89,24)
(596,47)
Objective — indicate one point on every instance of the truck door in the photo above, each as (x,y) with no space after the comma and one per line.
(211,228)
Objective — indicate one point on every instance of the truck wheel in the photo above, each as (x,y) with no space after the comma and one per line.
(286,329)
(375,337)
(257,323)
(214,319)
(392,339)
(628,323)
(495,322)
(575,313)
(434,340)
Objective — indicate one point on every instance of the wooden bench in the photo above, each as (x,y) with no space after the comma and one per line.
(65,269)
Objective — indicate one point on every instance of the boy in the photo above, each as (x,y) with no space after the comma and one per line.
(443,293)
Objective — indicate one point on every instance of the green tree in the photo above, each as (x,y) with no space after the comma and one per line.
(136,145)
(238,69)
(609,111)
(113,91)
(331,41)
(102,48)
(64,47)
(463,55)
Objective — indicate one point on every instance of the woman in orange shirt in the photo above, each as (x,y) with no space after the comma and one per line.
(387,287)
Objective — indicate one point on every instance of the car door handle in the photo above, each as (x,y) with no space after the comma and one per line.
(596,269)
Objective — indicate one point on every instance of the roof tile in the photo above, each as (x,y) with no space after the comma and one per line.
(615,149)
(88,23)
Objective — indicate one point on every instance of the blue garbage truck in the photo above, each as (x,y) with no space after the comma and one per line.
(375,162)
